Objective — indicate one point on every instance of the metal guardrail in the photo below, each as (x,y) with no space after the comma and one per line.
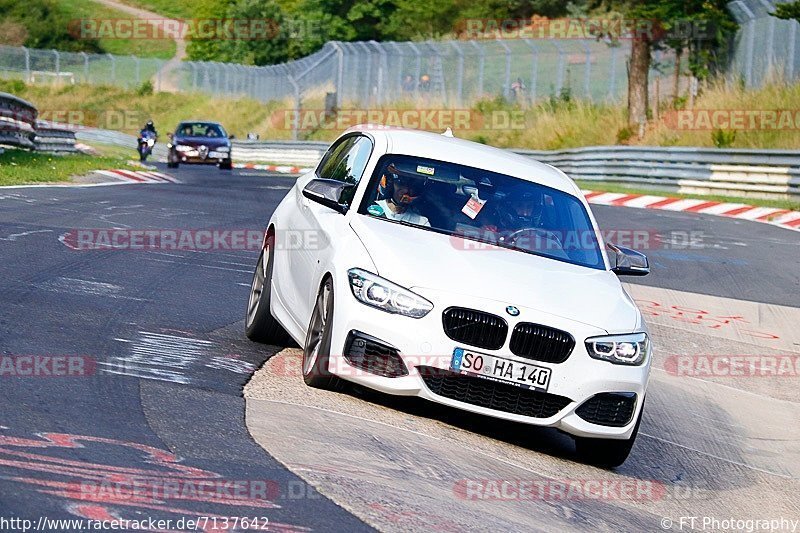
(19,127)
(53,137)
(743,172)
(283,152)
(17,121)
(740,172)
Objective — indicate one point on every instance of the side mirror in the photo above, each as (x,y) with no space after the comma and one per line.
(627,262)
(231,136)
(327,193)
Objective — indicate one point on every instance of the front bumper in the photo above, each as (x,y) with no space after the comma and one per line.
(423,345)
(194,157)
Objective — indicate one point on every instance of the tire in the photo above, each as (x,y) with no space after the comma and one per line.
(317,347)
(260,325)
(226,165)
(607,453)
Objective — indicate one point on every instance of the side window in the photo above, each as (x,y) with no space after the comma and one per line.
(346,162)
(333,158)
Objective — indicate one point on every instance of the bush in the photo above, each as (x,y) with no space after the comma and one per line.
(624,135)
(12,86)
(722,138)
(145,89)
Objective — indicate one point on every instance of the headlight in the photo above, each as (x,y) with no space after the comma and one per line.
(223,149)
(381,293)
(182,148)
(631,349)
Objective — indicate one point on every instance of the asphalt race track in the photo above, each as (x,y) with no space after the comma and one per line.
(154,421)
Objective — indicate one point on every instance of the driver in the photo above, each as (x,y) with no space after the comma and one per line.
(399,189)
(526,208)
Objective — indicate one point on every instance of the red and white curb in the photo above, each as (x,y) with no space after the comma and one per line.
(283,169)
(138,176)
(770,215)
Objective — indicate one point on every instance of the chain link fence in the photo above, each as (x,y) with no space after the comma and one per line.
(54,67)
(450,73)
(765,48)
(446,74)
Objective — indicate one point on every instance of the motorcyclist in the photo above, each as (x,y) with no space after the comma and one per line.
(398,189)
(149,126)
(149,130)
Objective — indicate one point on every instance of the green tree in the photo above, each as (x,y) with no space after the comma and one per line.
(45,25)
(788,11)
(699,26)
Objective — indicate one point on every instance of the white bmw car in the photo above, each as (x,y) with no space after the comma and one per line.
(420,264)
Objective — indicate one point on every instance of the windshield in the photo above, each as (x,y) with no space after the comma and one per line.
(200,129)
(487,207)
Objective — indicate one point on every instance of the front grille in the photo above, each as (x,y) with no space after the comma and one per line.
(475,328)
(370,354)
(492,394)
(613,409)
(541,343)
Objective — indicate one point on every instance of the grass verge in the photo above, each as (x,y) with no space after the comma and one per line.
(95,11)
(551,124)
(20,167)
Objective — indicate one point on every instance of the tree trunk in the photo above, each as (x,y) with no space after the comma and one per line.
(676,87)
(637,82)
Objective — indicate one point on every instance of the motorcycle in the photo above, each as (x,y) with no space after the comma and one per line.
(147,140)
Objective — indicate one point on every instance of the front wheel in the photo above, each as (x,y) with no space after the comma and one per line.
(226,164)
(172,160)
(607,453)
(317,347)
(260,325)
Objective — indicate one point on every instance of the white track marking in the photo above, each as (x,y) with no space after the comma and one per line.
(13,236)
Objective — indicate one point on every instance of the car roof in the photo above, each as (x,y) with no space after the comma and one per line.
(460,151)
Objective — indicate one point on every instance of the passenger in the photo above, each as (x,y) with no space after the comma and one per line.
(399,190)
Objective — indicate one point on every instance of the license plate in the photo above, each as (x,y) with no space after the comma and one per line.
(525,375)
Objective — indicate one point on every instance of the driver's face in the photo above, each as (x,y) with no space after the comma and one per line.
(403,194)
(523,208)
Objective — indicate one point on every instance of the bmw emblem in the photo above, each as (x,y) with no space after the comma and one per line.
(511,310)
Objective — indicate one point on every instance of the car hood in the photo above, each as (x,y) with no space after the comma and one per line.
(414,257)
(210,142)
